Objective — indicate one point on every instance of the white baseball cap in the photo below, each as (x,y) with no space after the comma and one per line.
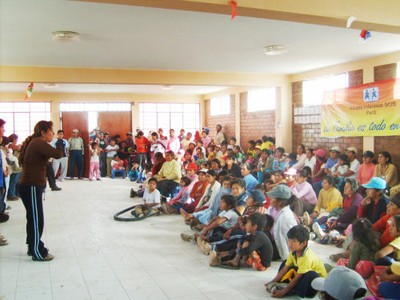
(341,283)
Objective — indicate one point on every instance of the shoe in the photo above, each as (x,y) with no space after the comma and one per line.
(214,259)
(336,257)
(165,208)
(98,179)
(3,242)
(278,287)
(318,230)
(204,246)
(4,217)
(56,188)
(48,257)
(187,237)
(307,219)
(12,198)
(132,194)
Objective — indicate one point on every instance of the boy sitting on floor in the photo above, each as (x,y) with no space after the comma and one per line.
(134,173)
(299,270)
(255,249)
(151,199)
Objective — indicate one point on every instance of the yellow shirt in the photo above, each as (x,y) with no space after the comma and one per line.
(267,145)
(309,261)
(328,200)
(171,170)
(396,244)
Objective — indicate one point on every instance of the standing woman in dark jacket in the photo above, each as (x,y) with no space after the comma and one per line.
(35,152)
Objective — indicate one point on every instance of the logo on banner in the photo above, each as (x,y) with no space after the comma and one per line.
(371,94)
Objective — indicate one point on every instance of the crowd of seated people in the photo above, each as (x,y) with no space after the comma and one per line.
(250,207)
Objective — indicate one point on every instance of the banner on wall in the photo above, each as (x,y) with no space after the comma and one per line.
(371,109)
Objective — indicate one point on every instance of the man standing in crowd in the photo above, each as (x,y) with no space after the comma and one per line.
(129,140)
(76,151)
(219,136)
(61,144)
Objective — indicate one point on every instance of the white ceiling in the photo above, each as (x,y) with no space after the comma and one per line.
(131,37)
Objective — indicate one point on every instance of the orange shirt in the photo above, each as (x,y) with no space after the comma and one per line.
(141,144)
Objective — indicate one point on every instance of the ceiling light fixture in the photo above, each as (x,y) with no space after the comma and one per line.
(274,50)
(50,85)
(65,36)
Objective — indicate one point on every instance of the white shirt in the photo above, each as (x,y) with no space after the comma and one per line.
(354,166)
(310,163)
(231,218)
(283,222)
(300,161)
(219,138)
(113,150)
(213,190)
(154,197)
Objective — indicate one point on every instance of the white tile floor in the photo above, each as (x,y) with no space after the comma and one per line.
(99,258)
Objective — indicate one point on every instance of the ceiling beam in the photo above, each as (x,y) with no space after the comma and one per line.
(125,76)
(372,15)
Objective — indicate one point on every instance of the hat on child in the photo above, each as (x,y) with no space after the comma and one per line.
(192,166)
(352,149)
(395,268)
(369,154)
(341,283)
(335,148)
(203,171)
(75,130)
(257,196)
(320,152)
(376,183)
(281,191)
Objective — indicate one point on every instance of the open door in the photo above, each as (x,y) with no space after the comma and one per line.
(78,120)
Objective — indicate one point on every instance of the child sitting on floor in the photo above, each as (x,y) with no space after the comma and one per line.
(226,247)
(151,199)
(176,203)
(389,286)
(255,248)
(299,270)
(390,253)
(341,283)
(216,228)
(365,245)
(134,173)
(239,191)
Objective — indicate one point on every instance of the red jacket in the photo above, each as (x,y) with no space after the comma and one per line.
(383,226)
(141,144)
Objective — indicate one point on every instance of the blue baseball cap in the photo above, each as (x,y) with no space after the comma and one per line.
(376,183)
